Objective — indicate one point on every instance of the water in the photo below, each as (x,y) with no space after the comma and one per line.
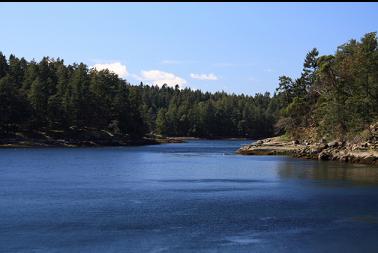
(192,197)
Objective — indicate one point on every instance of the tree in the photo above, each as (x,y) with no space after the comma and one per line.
(161,122)
(13,107)
(3,66)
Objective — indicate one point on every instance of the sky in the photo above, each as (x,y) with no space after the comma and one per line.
(234,47)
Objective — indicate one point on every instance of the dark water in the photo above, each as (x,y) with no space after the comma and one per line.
(192,197)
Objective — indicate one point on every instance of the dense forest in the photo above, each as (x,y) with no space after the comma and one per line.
(52,96)
(336,96)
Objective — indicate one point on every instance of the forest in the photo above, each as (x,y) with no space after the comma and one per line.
(49,95)
(336,96)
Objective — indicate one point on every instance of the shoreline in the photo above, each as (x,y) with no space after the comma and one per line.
(48,142)
(74,144)
(364,153)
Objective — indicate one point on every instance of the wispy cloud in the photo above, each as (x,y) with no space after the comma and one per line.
(158,77)
(268,70)
(115,67)
(207,77)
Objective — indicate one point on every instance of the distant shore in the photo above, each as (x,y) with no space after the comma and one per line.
(41,143)
(366,153)
(83,137)
(91,138)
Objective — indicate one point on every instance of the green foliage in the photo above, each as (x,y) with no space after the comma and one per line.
(61,97)
(13,106)
(337,94)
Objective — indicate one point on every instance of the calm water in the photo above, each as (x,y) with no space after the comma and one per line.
(192,197)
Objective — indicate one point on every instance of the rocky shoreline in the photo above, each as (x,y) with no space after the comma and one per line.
(41,143)
(87,138)
(75,138)
(366,152)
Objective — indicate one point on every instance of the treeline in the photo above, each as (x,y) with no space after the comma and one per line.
(175,112)
(49,95)
(336,95)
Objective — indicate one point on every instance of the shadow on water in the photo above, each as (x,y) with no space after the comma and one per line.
(329,170)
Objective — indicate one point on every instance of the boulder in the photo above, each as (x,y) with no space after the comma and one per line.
(344,158)
(364,145)
(324,155)
(259,142)
(322,146)
(314,151)
(333,144)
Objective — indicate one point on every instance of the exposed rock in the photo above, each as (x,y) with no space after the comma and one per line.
(259,142)
(335,150)
(369,159)
(315,150)
(322,146)
(324,155)
(344,158)
(333,144)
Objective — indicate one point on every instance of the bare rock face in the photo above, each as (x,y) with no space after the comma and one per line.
(335,150)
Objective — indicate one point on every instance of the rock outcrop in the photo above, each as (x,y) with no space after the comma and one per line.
(366,152)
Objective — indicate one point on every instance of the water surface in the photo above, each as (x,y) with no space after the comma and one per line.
(193,197)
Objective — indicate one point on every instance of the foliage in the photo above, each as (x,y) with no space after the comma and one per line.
(50,95)
(337,94)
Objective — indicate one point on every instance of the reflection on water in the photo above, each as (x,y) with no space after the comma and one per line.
(321,170)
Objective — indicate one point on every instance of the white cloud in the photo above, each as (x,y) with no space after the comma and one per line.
(115,67)
(157,77)
(207,77)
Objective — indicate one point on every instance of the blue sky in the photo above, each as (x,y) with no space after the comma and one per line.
(235,47)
